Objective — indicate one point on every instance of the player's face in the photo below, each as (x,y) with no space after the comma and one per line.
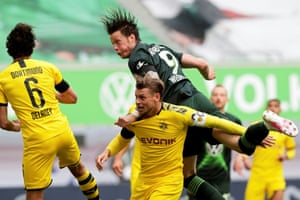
(123,45)
(274,106)
(147,102)
(219,97)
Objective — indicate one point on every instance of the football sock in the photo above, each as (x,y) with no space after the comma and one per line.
(226,125)
(88,186)
(201,189)
(254,135)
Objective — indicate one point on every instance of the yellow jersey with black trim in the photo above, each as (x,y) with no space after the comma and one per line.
(266,160)
(29,86)
(161,139)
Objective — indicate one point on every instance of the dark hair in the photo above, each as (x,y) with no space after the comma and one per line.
(121,20)
(20,41)
(154,84)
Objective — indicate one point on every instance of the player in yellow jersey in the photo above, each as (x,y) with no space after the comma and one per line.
(161,61)
(266,176)
(34,88)
(161,131)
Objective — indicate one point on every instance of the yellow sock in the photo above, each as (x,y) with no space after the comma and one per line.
(88,186)
(226,125)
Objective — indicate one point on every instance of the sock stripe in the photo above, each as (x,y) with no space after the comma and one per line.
(90,191)
(195,184)
(85,181)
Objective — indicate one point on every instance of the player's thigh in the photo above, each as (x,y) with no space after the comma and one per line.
(173,194)
(255,189)
(276,187)
(37,164)
(69,152)
(195,138)
(170,188)
(231,141)
(201,103)
(277,195)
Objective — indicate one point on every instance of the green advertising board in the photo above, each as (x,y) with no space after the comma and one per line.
(106,94)
(250,87)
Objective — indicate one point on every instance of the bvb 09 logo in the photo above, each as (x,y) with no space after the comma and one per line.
(116,94)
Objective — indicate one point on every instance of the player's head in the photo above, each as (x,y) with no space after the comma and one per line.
(219,97)
(148,95)
(21,41)
(274,105)
(123,31)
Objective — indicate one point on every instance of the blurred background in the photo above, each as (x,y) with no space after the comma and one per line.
(253,45)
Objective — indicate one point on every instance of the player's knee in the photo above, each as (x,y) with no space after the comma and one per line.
(77,170)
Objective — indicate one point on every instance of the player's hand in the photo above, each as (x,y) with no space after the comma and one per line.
(17,125)
(282,157)
(238,165)
(208,73)
(117,166)
(125,120)
(101,159)
(268,141)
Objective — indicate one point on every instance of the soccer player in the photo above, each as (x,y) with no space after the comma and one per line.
(34,88)
(162,62)
(267,172)
(161,130)
(213,161)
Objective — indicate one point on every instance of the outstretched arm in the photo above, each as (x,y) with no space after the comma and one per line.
(207,71)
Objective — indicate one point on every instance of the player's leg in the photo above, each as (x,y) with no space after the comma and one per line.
(214,118)
(38,160)
(34,194)
(166,188)
(276,186)
(247,142)
(255,188)
(278,195)
(69,156)
(256,133)
(196,186)
(86,181)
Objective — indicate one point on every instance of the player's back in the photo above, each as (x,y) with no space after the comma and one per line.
(29,86)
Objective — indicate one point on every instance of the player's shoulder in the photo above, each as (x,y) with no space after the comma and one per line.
(175,108)
(140,53)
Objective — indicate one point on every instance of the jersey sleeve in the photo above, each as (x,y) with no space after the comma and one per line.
(57,75)
(191,116)
(290,146)
(117,143)
(3,99)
